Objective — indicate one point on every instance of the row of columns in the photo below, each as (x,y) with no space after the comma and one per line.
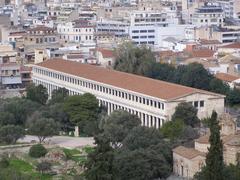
(147,120)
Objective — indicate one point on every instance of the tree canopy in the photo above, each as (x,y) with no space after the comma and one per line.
(83,111)
(187,113)
(9,134)
(59,95)
(118,125)
(42,128)
(133,59)
(37,93)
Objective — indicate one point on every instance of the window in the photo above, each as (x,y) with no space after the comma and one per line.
(135,37)
(159,105)
(201,103)
(150,30)
(135,31)
(196,104)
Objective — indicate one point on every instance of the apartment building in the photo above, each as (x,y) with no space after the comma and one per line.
(208,15)
(226,34)
(76,31)
(152,100)
(231,8)
(118,28)
(148,18)
(40,35)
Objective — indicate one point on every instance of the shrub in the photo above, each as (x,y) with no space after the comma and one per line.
(43,167)
(4,162)
(37,151)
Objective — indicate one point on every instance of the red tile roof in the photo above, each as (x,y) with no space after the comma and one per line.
(202,53)
(106,53)
(235,45)
(226,77)
(155,88)
(188,153)
(206,42)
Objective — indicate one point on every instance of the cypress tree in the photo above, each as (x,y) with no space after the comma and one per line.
(214,161)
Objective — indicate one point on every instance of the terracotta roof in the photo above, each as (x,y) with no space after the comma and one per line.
(75,56)
(203,139)
(155,88)
(106,53)
(225,139)
(202,53)
(41,28)
(188,153)
(235,45)
(25,68)
(205,41)
(226,77)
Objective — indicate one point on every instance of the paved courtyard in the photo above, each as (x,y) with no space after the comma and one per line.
(63,141)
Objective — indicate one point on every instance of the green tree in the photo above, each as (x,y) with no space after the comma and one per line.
(163,71)
(118,125)
(133,59)
(56,111)
(196,76)
(99,165)
(59,95)
(43,128)
(37,93)
(83,111)
(187,113)
(141,164)
(6,118)
(148,137)
(173,130)
(214,168)
(9,134)
(233,96)
(218,86)
(20,109)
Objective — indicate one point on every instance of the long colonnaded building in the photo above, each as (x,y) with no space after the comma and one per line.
(153,101)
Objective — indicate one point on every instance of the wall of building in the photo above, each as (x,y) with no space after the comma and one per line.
(210,103)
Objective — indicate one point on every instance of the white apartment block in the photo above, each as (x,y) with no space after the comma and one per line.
(118,28)
(148,18)
(231,8)
(154,35)
(151,100)
(76,31)
(208,15)
(227,7)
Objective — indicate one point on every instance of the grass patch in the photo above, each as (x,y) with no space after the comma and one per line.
(26,168)
(88,149)
(69,153)
(21,165)
(75,155)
